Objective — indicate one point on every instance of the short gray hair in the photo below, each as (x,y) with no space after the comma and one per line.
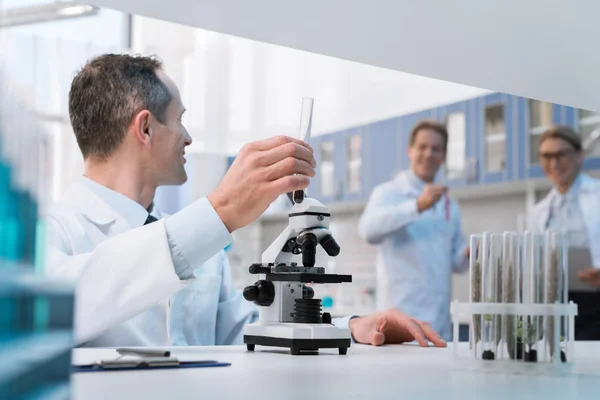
(107,93)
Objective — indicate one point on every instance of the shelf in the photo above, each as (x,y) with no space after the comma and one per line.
(19,279)
(27,353)
(52,392)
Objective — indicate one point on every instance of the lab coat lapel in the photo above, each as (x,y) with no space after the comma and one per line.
(589,202)
(95,210)
(542,216)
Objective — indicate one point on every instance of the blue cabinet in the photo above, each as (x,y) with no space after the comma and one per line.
(351,151)
(459,120)
(534,117)
(384,152)
(495,135)
(493,139)
(325,186)
(584,122)
(342,166)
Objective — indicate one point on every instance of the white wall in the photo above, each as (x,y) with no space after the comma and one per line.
(40,61)
(541,49)
(237,90)
(107,28)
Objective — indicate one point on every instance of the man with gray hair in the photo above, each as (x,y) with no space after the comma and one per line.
(147,279)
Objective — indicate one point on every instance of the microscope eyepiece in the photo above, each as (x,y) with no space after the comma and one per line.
(308,242)
(330,245)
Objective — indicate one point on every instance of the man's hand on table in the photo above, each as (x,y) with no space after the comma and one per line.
(393,327)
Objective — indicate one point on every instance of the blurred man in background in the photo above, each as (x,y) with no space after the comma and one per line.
(573,205)
(418,228)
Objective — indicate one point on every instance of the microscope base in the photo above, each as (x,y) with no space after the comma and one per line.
(299,338)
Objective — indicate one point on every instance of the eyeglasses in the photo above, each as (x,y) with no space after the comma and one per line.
(559,156)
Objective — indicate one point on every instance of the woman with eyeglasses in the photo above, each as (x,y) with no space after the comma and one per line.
(573,206)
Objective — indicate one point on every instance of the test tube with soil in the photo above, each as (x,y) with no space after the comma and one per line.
(510,291)
(475,244)
(491,292)
(530,327)
(555,249)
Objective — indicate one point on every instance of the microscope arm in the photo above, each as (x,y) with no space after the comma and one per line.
(275,251)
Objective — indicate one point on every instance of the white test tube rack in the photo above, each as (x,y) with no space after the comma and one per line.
(518,297)
(557,310)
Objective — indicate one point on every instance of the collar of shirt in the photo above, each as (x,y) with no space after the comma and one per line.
(414,181)
(133,212)
(571,195)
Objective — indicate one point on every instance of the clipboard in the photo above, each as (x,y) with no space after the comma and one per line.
(580,258)
(144,363)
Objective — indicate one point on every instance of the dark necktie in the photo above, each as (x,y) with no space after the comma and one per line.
(150,219)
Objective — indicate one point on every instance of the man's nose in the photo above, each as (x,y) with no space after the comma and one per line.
(188,138)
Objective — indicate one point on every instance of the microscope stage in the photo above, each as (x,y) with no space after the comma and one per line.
(300,338)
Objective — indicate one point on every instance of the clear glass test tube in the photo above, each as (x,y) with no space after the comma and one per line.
(531,325)
(510,291)
(556,333)
(475,244)
(304,134)
(491,293)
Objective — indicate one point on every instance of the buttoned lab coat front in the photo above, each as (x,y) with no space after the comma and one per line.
(589,204)
(127,290)
(417,251)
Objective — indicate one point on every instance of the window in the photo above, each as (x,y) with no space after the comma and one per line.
(540,119)
(589,128)
(326,168)
(240,77)
(354,164)
(455,159)
(495,138)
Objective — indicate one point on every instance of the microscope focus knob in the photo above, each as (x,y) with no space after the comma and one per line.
(251,293)
(262,293)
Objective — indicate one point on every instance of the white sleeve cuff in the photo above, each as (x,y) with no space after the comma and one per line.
(344,322)
(195,234)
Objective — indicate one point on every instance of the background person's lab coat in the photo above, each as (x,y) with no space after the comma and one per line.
(417,252)
(589,204)
(587,322)
(128,293)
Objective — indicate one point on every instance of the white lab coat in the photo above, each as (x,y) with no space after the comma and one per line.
(589,204)
(127,291)
(417,251)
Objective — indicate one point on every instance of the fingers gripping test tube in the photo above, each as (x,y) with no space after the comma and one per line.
(304,134)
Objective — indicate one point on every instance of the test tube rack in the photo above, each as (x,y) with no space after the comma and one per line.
(518,309)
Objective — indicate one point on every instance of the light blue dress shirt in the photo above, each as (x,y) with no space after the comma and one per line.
(565,215)
(417,251)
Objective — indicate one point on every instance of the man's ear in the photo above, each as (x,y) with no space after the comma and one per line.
(143,126)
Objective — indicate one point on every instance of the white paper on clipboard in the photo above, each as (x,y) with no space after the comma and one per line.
(580,258)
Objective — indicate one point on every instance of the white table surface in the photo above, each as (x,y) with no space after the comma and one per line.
(388,372)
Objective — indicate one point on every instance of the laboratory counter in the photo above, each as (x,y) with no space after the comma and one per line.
(387,372)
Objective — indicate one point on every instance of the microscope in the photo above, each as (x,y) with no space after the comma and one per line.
(289,315)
